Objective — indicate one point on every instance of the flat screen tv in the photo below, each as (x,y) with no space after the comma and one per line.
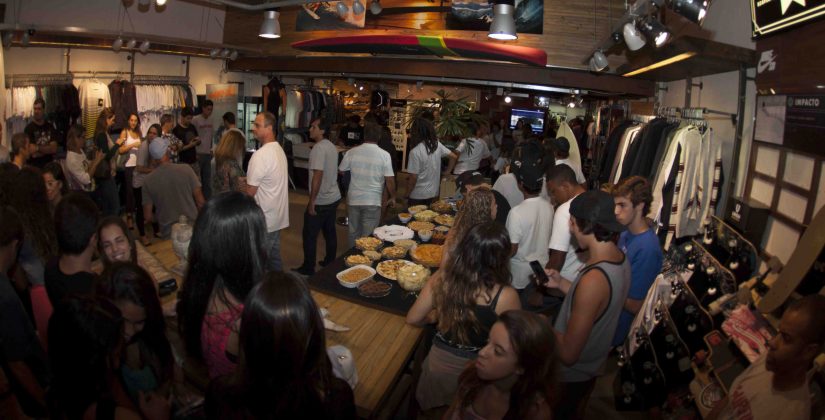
(530,116)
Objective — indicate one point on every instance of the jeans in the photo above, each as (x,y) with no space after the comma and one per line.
(362,221)
(323,221)
(548,303)
(273,247)
(205,162)
(106,197)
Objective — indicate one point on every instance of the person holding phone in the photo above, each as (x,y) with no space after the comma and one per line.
(188,134)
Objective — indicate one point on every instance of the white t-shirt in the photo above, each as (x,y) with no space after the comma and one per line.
(752,397)
(529,225)
(576,169)
(131,159)
(206,132)
(428,169)
(369,165)
(324,157)
(268,171)
(562,240)
(470,160)
(507,185)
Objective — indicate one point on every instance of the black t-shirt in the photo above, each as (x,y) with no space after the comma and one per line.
(503,208)
(59,285)
(352,136)
(186,135)
(41,135)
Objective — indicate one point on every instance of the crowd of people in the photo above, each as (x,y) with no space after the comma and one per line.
(540,277)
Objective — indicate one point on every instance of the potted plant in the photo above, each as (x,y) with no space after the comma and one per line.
(452,116)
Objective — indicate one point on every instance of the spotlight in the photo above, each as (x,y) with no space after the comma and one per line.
(504,25)
(358,8)
(224,53)
(233,55)
(214,52)
(375,7)
(160,2)
(599,61)
(118,44)
(654,31)
(144,3)
(692,10)
(144,47)
(270,28)
(632,37)
(361,87)
(342,9)
(26,37)
(508,99)
(131,44)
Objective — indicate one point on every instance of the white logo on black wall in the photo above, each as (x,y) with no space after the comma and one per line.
(767,62)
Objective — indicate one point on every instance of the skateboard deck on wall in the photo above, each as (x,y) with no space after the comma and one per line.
(808,249)
(425,45)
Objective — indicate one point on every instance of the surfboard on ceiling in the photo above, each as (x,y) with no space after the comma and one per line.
(425,45)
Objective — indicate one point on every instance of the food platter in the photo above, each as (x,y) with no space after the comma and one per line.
(444,219)
(368,243)
(355,276)
(427,255)
(394,252)
(391,233)
(389,268)
(357,259)
(441,206)
(425,216)
(419,226)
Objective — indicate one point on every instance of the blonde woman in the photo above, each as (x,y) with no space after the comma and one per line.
(228,174)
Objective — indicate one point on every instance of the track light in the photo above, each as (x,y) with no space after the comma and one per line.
(599,61)
(342,9)
(144,3)
(693,10)
(213,53)
(131,44)
(654,31)
(632,37)
(224,53)
(144,47)
(361,87)
(504,25)
(160,2)
(358,8)
(508,99)
(118,44)
(24,40)
(375,7)
(270,28)
(233,55)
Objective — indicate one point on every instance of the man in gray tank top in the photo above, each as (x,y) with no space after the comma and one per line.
(593,300)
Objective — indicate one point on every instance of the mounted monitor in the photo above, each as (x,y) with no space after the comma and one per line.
(530,116)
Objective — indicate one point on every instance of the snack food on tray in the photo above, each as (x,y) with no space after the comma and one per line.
(416,209)
(439,237)
(412,277)
(406,243)
(425,216)
(374,289)
(368,243)
(394,252)
(419,226)
(354,276)
(404,217)
(372,255)
(357,259)
(391,233)
(428,255)
(444,229)
(441,206)
(389,269)
(444,219)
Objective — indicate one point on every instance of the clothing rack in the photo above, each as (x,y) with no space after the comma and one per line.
(642,118)
(92,74)
(20,80)
(140,79)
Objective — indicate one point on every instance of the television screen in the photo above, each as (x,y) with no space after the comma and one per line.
(530,116)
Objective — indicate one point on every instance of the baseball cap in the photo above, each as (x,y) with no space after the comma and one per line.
(529,171)
(158,148)
(561,144)
(469,178)
(596,206)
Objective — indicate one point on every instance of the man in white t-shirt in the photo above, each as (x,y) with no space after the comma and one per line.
(469,153)
(424,163)
(324,197)
(529,224)
(371,168)
(266,180)
(206,131)
(561,148)
(776,386)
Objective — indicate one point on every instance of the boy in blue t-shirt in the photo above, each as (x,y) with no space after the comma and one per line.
(639,242)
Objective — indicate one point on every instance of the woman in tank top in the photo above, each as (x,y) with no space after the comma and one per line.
(130,142)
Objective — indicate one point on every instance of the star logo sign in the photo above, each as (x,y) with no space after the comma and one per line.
(785,4)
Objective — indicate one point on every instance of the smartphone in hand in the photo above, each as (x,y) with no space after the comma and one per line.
(538,270)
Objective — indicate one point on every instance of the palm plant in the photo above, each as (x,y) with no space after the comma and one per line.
(452,116)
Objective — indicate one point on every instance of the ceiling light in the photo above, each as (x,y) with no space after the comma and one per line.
(213,53)
(144,47)
(160,2)
(375,7)
(131,44)
(358,8)
(599,61)
(25,39)
(504,25)
(270,27)
(118,44)
(144,3)
(233,55)
(361,87)
(693,10)
(665,62)
(632,37)
(654,31)
(820,86)
(508,99)
(342,9)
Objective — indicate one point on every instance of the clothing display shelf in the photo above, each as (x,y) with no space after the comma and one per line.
(21,80)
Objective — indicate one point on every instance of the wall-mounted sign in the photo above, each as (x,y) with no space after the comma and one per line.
(768,16)
(805,123)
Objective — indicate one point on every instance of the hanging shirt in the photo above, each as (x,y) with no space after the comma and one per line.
(94,96)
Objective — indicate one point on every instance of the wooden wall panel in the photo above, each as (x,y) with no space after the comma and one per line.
(571,29)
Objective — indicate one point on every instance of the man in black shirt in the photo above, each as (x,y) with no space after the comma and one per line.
(188,134)
(471,180)
(75,222)
(42,134)
(352,134)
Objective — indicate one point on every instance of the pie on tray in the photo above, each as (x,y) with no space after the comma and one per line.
(394,252)
(425,216)
(444,219)
(419,226)
(441,206)
(428,255)
(368,243)
(357,259)
(389,269)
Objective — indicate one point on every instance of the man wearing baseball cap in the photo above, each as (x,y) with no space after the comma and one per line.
(593,300)
(173,188)
(561,149)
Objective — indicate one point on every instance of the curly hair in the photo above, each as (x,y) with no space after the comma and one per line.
(29,199)
(476,209)
(481,263)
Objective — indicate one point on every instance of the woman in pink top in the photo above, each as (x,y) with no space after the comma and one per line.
(226,259)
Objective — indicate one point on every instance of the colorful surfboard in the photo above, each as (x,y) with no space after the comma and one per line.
(425,45)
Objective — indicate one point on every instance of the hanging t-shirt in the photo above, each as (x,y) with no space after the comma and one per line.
(94,96)
(470,153)
(41,135)
(428,168)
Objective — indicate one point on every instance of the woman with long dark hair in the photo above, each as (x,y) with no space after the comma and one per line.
(30,200)
(424,163)
(130,142)
(284,370)
(515,375)
(464,303)
(105,193)
(146,364)
(56,185)
(227,255)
